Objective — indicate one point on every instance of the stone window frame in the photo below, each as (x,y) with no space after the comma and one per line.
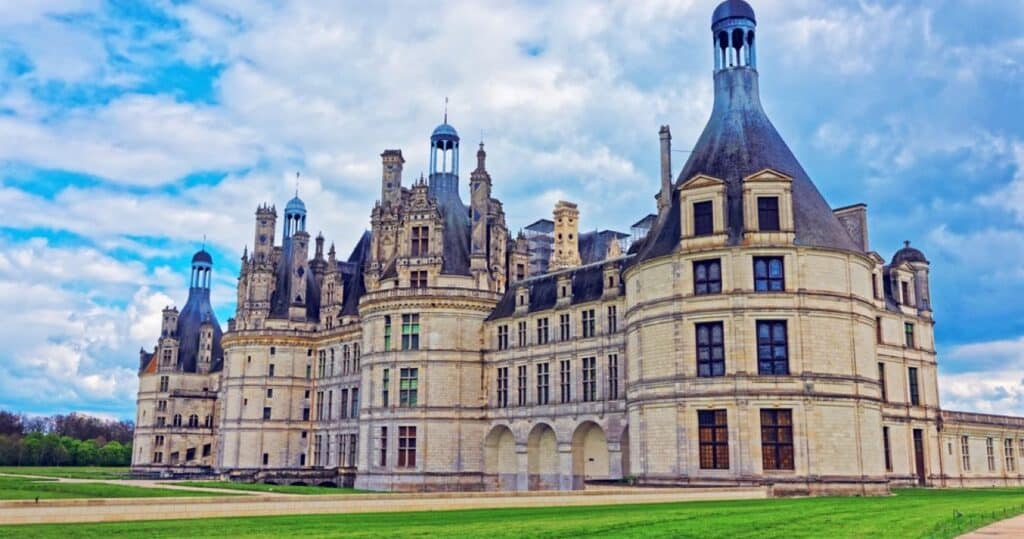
(777,440)
(702,188)
(406,447)
(713,439)
(768,183)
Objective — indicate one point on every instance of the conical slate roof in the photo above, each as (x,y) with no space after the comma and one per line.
(739,141)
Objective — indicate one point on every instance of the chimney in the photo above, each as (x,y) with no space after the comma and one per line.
(665,195)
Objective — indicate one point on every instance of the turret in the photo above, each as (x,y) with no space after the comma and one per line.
(205,355)
(479,210)
(444,160)
(169,326)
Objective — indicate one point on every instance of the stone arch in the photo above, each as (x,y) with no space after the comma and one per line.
(500,457)
(589,454)
(542,458)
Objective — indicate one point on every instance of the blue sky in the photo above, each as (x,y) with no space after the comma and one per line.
(127,134)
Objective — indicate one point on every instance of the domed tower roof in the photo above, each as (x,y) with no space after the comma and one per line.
(908,254)
(444,132)
(203,257)
(732,9)
(295,205)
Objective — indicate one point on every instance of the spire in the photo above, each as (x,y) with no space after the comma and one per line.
(481,157)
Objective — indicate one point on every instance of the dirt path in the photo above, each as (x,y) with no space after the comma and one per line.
(128,509)
(149,483)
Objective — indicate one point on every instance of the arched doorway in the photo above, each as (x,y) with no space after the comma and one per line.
(500,458)
(589,454)
(542,458)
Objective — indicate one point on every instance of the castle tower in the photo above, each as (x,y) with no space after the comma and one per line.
(566,251)
(297,247)
(391,177)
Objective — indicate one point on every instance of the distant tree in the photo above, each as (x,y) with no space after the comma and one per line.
(11,423)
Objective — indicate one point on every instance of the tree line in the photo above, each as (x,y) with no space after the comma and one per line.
(64,440)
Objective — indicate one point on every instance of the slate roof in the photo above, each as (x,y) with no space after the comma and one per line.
(197,310)
(737,142)
(282,297)
(352,275)
(587,285)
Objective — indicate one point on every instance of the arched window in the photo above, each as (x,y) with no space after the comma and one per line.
(193,421)
(177,420)
(208,422)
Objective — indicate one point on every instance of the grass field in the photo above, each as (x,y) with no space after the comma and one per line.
(73,472)
(909,513)
(24,488)
(262,487)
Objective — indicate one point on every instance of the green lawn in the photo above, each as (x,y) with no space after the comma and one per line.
(263,487)
(909,513)
(73,472)
(25,488)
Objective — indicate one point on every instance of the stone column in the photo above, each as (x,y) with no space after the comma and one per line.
(566,479)
(522,467)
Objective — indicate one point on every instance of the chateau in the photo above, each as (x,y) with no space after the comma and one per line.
(744,334)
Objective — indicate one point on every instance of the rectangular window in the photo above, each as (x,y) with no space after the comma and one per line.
(420,241)
(777,439)
(588,323)
(164,382)
(387,333)
(915,395)
(990,452)
(1020,446)
(1011,464)
(502,387)
(542,331)
(418,279)
(707,277)
(564,325)
(305,414)
(406,447)
(613,376)
(317,446)
(769,275)
(309,372)
(408,387)
(158,457)
(521,386)
(905,293)
(344,403)
(710,350)
(355,402)
(589,379)
(520,272)
(703,219)
(887,447)
(161,421)
(542,383)
(768,214)
(503,337)
(908,332)
(565,379)
(353,442)
(382,447)
(772,347)
(714,439)
(878,330)
(159,440)
(522,334)
(385,387)
(410,332)
(319,405)
(965,453)
(881,381)
(613,319)
(266,412)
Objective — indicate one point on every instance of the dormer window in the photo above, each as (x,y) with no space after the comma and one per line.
(703,218)
(768,214)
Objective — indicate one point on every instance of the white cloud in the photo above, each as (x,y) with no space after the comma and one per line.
(992,377)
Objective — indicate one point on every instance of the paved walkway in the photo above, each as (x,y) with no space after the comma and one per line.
(1011,527)
(126,509)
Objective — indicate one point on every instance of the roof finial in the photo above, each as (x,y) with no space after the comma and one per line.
(906,243)
(296,184)
(445,109)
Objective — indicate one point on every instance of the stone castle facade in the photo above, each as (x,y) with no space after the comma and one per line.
(750,336)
